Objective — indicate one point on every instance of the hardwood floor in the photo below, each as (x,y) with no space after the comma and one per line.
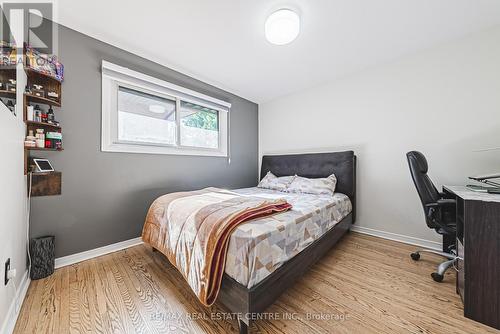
(363,285)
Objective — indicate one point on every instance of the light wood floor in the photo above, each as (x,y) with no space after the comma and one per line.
(366,284)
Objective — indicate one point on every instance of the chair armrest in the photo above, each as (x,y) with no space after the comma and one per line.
(442,203)
(446,202)
(438,209)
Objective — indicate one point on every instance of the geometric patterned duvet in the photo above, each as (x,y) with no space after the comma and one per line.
(259,247)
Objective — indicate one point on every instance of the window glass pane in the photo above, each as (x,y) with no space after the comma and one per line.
(199,126)
(145,118)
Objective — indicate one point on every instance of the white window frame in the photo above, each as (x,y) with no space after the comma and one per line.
(114,76)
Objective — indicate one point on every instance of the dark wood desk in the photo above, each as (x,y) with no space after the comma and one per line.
(478,244)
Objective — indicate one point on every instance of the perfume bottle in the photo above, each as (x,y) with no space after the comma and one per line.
(40,138)
(38,113)
(50,115)
(30,113)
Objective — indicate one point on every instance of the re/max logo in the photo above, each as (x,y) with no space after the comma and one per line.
(29,22)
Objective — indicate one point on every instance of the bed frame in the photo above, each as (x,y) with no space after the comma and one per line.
(248,303)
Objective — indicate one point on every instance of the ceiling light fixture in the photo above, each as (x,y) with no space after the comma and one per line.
(282,27)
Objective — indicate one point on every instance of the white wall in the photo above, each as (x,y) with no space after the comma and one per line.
(444,102)
(12,207)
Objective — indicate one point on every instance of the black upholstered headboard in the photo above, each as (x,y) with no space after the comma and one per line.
(316,165)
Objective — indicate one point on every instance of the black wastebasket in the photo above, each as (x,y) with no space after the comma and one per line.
(42,252)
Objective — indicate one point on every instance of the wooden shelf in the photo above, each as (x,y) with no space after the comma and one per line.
(8,93)
(44,173)
(42,100)
(42,149)
(8,67)
(46,184)
(45,125)
(30,71)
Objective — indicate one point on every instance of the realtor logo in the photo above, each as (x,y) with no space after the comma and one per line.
(31,23)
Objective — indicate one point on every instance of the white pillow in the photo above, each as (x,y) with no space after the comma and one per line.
(271,181)
(323,186)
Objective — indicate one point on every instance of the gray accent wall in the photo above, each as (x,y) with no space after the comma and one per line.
(105,196)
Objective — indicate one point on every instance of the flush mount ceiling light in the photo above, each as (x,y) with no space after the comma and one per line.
(282,27)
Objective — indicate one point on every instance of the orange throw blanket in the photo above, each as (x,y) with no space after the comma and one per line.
(193,228)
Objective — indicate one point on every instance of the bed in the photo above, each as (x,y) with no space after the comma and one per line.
(267,255)
(240,299)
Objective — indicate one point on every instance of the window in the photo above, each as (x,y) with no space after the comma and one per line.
(142,114)
(144,118)
(199,126)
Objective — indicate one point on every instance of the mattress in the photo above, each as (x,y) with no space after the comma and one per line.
(259,247)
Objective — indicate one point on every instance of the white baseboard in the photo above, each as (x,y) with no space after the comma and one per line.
(398,237)
(13,312)
(79,257)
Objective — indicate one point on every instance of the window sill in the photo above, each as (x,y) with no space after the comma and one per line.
(127,148)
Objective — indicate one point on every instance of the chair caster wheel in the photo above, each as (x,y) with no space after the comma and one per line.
(415,256)
(437,277)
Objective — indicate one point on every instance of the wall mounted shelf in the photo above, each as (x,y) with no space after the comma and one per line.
(46,184)
(31,72)
(7,73)
(42,100)
(43,149)
(42,125)
(8,93)
(43,184)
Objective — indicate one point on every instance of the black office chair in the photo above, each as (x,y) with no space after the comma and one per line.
(440,213)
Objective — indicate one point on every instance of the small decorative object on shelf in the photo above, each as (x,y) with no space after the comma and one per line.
(40,138)
(53,140)
(8,54)
(31,136)
(30,113)
(43,63)
(11,85)
(54,123)
(52,95)
(45,116)
(50,115)
(38,113)
(30,140)
(37,90)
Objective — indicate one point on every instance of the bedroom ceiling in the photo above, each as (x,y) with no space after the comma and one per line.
(222,42)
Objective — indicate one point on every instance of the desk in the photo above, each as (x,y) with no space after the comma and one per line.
(478,244)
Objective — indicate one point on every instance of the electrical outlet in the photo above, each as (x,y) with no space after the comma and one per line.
(7,268)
